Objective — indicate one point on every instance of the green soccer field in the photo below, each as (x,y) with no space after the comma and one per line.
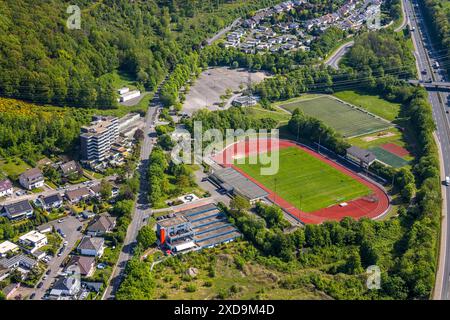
(345,119)
(307,182)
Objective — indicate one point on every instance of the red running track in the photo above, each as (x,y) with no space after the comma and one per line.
(370,207)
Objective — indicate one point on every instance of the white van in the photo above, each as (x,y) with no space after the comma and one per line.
(447,181)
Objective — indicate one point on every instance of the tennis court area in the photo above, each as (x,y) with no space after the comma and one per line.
(346,119)
(388,158)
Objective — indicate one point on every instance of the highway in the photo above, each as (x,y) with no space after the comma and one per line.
(142,207)
(425,55)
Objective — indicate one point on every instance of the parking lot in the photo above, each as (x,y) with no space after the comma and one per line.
(69,226)
(213,83)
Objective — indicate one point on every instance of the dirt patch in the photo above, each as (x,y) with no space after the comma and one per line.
(379,135)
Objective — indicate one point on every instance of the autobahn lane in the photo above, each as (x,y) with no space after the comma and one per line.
(425,55)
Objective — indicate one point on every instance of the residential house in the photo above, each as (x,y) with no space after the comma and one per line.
(33,240)
(4,273)
(87,214)
(69,168)
(45,228)
(69,286)
(32,179)
(91,246)
(18,210)
(83,265)
(53,201)
(6,188)
(101,225)
(10,290)
(20,260)
(7,247)
(76,195)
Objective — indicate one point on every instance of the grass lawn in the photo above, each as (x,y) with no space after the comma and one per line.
(306,182)
(13,167)
(345,119)
(373,104)
(226,281)
(258,112)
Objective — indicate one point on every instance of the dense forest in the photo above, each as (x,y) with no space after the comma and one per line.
(29,131)
(41,60)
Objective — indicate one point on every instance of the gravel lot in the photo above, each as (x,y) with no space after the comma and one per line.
(213,83)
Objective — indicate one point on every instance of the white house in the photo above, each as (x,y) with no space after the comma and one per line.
(6,188)
(66,287)
(32,179)
(33,240)
(6,247)
(93,247)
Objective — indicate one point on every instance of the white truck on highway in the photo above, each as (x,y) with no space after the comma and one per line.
(447,181)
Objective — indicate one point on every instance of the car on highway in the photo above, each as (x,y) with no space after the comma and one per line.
(60,220)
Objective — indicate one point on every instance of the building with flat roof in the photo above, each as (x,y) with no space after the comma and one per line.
(96,139)
(33,240)
(237,184)
(7,247)
(195,228)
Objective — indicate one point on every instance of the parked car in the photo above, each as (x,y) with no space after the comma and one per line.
(40,285)
(32,296)
(80,228)
(48,272)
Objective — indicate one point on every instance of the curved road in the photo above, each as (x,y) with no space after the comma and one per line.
(335,58)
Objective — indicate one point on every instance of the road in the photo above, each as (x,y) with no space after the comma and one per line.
(333,60)
(142,207)
(426,55)
(69,226)
(222,32)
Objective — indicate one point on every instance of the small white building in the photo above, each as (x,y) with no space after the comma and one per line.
(130,95)
(6,247)
(33,240)
(6,188)
(123,90)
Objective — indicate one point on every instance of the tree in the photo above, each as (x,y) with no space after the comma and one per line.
(146,236)
(105,189)
(240,204)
